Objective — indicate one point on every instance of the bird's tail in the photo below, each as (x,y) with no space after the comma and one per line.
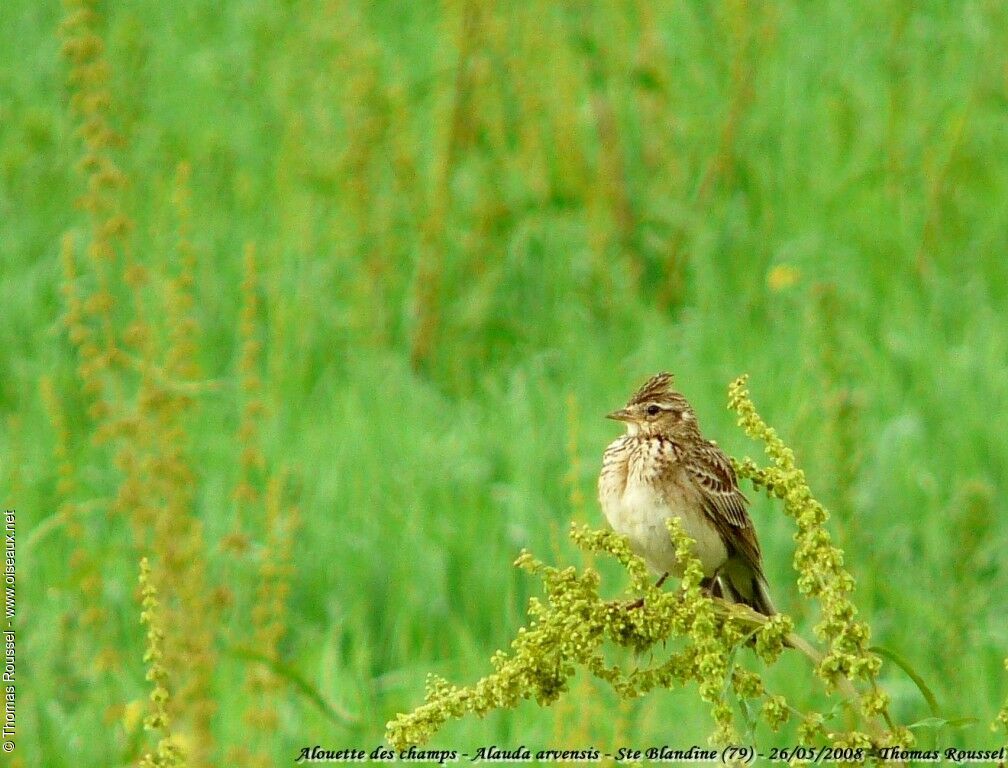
(741,584)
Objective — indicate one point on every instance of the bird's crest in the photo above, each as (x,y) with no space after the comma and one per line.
(657,388)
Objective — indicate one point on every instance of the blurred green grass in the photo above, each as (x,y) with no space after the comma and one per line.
(816,194)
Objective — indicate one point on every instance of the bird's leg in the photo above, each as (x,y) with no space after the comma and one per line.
(639,602)
(712,585)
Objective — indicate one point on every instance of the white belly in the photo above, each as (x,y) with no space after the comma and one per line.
(639,513)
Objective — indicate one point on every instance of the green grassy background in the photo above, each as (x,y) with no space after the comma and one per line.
(813,193)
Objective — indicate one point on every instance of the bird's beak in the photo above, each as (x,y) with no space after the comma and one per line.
(621,415)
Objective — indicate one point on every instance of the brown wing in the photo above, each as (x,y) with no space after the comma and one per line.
(723,501)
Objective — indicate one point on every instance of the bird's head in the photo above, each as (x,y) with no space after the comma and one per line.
(657,409)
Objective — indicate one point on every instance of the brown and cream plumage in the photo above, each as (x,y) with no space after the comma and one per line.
(663,467)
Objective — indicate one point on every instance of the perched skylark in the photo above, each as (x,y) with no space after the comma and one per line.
(663,467)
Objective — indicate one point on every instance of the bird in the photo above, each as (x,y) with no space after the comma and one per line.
(664,467)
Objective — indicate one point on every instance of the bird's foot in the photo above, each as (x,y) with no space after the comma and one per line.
(628,605)
(712,586)
(633,605)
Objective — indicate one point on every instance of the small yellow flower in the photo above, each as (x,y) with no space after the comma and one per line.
(132,715)
(782,276)
(775,712)
(1002,716)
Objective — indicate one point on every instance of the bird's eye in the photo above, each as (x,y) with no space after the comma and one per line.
(653,410)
